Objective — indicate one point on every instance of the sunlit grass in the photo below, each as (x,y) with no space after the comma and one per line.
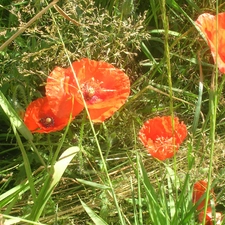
(111,179)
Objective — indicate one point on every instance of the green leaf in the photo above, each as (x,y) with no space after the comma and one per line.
(62,164)
(95,218)
(197,109)
(51,181)
(15,220)
(14,118)
(9,195)
(93,184)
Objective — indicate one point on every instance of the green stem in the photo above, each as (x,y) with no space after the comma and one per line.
(168,66)
(213,103)
(104,166)
(26,163)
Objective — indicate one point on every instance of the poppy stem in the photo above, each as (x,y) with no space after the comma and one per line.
(80,154)
(169,76)
(167,54)
(93,130)
(38,154)
(213,104)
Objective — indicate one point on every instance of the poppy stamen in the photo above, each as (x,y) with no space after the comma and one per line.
(90,89)
(88,92)
(47,122)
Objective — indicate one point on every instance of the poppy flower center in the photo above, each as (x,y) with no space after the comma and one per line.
(90,89)
(47,122)
(88,92)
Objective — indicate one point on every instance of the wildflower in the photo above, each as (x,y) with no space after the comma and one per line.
(39,117)
(161,137)
(210,219)
(104,87)
(199,190)
(215,37)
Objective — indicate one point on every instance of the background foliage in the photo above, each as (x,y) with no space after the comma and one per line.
(129,34)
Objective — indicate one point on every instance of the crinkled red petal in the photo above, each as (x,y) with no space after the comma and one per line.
(60,92)
(159,137)
(100,115)
(162,148)
(199,190)
(207,23)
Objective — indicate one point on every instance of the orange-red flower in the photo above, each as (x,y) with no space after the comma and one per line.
(199,190)
(104,87)
(39,117)
(161,137)
(210,220)
(207,23)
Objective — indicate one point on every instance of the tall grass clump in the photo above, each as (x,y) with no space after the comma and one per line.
(100,173)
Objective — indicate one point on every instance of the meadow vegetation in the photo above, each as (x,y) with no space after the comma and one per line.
(109,177)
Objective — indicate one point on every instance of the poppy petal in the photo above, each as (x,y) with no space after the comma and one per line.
(159,137)
(199,190)
(209,217)
(100,115)
(207,24)
(39,117)
(59,91)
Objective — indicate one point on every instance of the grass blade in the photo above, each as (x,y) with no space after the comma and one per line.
(96,219)
(93,184)
(51,181)
(14,118)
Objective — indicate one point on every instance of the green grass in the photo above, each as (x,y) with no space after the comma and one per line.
(108,177)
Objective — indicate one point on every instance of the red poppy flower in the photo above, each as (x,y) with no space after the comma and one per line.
(207,23)
(210,220)
(104,87)
(161,137)
(39,117)
(199,190)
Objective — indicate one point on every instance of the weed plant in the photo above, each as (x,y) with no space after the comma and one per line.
(101,174)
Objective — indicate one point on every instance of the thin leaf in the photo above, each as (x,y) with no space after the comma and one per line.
(14,118)
(62,164)
(93,184)
(15,220)
(26,163)
(197,109)
(155,210)
(95,218)
(51,181)
(9,195)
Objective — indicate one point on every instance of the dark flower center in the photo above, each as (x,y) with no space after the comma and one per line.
(88,92)
(47,122)
(90,89)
